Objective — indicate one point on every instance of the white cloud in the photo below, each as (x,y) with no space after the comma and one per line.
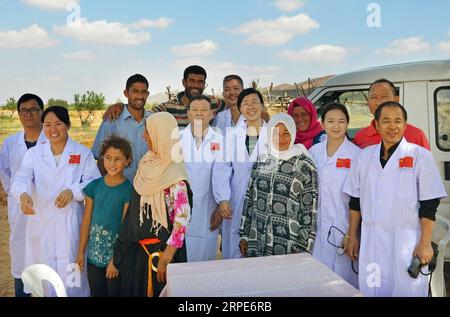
(54,79)
(323,53)
(217,70)
(51,4)
(197,49)
(288,5)
(31,37)
(406,46)
(444,46)
(80,56)
(102,32)
(276,32)
(160,23)
(448,33)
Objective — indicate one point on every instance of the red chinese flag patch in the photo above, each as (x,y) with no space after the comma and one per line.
(343,163)
(215,147)
(75,159)
(407,162)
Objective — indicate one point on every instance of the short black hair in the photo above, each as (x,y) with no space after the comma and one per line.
(138,78)
(233,77)
(392,104)
(60,112)
(247,92)
(119,143)
(385,81)
(199,98)
(194,69)
(335,106)
(28,97)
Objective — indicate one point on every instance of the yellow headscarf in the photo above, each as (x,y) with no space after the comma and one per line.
(160,168)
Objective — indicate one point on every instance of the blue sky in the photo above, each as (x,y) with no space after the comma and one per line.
(48,50)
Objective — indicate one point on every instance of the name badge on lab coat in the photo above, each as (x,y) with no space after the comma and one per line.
(75,159)
(215,147)
(343,163)
(406,163)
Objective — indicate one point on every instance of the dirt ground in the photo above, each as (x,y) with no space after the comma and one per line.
(6,281)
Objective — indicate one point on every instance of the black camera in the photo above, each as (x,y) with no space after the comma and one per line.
(416,266)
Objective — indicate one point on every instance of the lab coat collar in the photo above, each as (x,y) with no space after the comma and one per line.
(70,149)
(210,135)
(392,164)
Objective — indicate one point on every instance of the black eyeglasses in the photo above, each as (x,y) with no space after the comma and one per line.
(30,111)
(339,249)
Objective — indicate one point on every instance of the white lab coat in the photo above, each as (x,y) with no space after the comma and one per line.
(231,179)
(224,121)
(333,208)
(391,226)
(52,234)
(11,154)
(201,243)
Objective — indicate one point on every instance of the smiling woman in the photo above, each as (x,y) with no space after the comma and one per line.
(279,212)
(304,114)
(49,187)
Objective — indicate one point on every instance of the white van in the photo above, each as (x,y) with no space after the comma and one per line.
(424,90)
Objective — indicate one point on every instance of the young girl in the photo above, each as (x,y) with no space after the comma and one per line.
(107,200)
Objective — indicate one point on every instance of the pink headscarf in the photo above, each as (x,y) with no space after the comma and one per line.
(306,138)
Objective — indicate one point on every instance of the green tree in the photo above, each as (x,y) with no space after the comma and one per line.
(57,102)
(11,105)
(86,104)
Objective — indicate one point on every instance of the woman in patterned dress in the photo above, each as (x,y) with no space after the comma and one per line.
(153,231)
(280,206)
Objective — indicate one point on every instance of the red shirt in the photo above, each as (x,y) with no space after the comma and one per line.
(370,136)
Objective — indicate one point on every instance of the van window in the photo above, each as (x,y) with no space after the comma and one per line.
(442,102)
(356,103)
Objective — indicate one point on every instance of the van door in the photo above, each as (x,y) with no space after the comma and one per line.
(439,122)
(355,98)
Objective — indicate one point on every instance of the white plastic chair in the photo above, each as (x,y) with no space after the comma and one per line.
(35,274)
(438,288)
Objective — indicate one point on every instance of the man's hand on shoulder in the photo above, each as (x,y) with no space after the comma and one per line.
(113,112)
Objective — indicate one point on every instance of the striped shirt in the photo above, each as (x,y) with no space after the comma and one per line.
(179,110)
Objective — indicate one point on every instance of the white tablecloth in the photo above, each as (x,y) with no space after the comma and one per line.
(297,275)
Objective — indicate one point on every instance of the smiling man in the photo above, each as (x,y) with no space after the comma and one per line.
(194,83)
(229,117)
(30,109)
(382,91)
(130,124)
(395,189)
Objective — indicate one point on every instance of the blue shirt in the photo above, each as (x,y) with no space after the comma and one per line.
(106,218)
(126,127)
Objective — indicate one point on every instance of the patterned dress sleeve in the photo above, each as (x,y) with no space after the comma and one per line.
(308,205)
(244,231)
(180,214)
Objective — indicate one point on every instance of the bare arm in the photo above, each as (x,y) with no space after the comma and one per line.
(84,232)
(352,241)
(113,112)
(424,250)
(163,261)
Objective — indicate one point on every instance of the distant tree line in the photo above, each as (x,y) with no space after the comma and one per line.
(84,105)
